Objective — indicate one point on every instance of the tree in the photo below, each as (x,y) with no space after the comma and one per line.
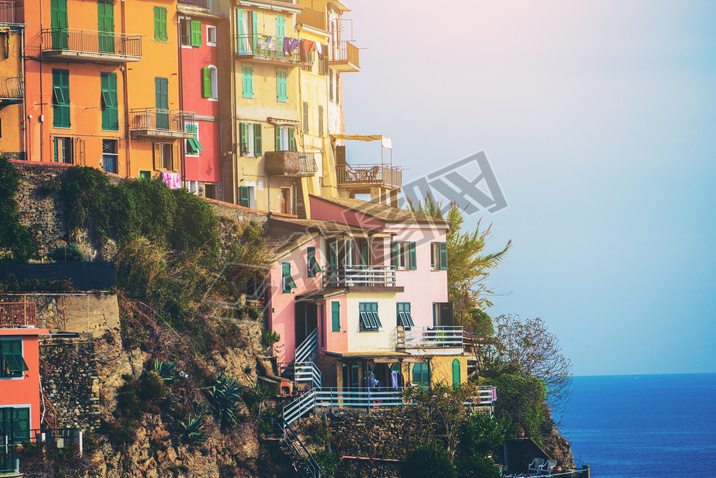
(468,265)
(480,435)
(428,460)
(528,349)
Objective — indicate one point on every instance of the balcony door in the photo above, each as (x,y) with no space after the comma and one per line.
(58,24)
(246,22)
(161,92)
(105,26)
(306,320)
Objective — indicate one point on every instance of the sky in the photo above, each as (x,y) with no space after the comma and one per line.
(598,120)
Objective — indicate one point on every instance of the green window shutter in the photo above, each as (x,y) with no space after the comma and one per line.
(258,152)
(281,87)
(335,316)
(310,260)
(364,254)
(239,22)
(191,143)
(110,108)
(244,199)
(21,424)
(206,81)
(195,33)
(61,90)
(395,254)
(413,258)
(333,255)
(291,139)
(248,80)
(455,373)
(54,142)
(160,24)
(277,138)
(254,31)
(244,139)
(287,280)
(443,256)
(280,28)
(58,23)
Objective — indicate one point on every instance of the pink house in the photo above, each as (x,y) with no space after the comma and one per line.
(360,290)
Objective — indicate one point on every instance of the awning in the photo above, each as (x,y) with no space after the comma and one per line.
(282,121)
(385,142)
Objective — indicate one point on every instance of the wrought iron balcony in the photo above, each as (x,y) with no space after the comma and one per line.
(11,89)
(360,276)
(361,175)
(69,44)
(344,56)
(429,337)
(271,49)
(159,124)
(18,314)
(290,164)
(11,12)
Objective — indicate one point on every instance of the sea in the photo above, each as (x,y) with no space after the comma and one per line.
(643,426)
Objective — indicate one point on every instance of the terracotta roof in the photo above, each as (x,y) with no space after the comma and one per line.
(388,214)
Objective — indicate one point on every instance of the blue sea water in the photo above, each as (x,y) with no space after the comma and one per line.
(644,426)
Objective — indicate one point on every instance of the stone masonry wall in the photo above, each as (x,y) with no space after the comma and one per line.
(70,382)
(91,314)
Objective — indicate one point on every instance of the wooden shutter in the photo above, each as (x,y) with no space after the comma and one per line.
(280,30)
(157,156)
(305,117)
(258,152)
(195,33)
(336,316)
(320,121)
(413,258)
(176,154)
(254,31)
(291,139)
(206,80)
(277,138)
(244,145)
(244,197)
(395,254)
(443,256)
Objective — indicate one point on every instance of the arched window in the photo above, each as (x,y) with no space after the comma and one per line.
(455,373)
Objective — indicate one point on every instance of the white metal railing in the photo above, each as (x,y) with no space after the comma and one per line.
(308,348)
(421,337)
(369,397)
(486,395)
(296,409)
(306,465)
(303,372)
(359,276)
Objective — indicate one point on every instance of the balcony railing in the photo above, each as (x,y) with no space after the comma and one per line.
(11,87)
(88,45)
(429,337)
(153,122)
(290,164)
(196,3)
(11,12)
(370,175)
(352,276)
(344,56)
(18,314)
(271,48)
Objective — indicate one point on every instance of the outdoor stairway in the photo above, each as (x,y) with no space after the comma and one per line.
(302,460)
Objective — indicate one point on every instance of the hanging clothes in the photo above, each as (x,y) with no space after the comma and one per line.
(302,50)
(294,44)
(309,45)
(286,45)
(394,380)
(171,179)
(319,50)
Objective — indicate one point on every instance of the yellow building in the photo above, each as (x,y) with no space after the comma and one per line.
(12,91)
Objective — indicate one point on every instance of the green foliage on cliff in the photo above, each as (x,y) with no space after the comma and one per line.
(428,460)
(14,237)
(521,402)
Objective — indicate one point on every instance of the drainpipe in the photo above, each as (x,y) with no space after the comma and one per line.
(125,89)
(42,92)
(24,95)
(180,79)
(234,134)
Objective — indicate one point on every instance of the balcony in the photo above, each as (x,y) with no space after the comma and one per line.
(11,12)
(206,4)
(18,314)
(152,123)
(361,277)
(85,45)
(12,90)
(344,57)
(360,176)
(312,18)
(290,164)
(270,49)
(429,337)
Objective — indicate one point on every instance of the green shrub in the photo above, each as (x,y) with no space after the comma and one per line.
(521,403)
(428,460)
(224,396)
(327,461)
(165,370)
(269,338)
(70,253)
(153,387)
(191,430)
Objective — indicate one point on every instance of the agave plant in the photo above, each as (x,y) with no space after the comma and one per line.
(224,396)
(191,430)
(165,370)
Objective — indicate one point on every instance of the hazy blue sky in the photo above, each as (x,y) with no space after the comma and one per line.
(598,119)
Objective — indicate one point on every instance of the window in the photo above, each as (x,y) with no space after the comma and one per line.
(305,117)
(58,23)
(443,314)
(185,32)
(109,156)
(11,362)
(284,139)
(61,98)
(322,58)
(193,146)
(105,26)
(280,26)
(405,319)
(161,98)
(369,320)
(110,108)
(246,24)
(210,35)
(404,256)
(320,121)
(335,316)
(281,85)
(312,266)
(248,80)
(63,150)
(195,33)
(286,201)
(145,175)
(246,196)
(438,256)
(210,82)
(251,139)
(338,88)
(287,282)
(160,24)
(164,154)
(15,424)
(421,375)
